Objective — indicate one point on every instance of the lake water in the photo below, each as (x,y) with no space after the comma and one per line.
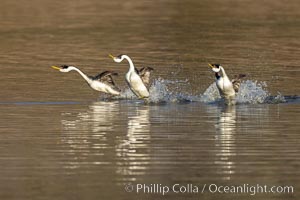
(62,140)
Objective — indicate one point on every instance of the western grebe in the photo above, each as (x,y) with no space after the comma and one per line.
(136,79)
(102,82)
(227,88)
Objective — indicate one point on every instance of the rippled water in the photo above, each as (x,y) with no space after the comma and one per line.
(62,140)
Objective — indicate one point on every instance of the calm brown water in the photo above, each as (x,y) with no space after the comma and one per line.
(59,140)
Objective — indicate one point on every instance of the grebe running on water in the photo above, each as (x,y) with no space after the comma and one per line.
(102,82)
(138,80)
(227,88)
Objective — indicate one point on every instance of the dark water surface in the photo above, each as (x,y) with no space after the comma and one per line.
(61,140)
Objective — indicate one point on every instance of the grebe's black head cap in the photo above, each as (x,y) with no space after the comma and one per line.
(120,56)
(64,66)
(216,65)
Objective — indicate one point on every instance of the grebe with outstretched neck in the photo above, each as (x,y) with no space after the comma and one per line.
(227,88)
(102,82)
(137,80)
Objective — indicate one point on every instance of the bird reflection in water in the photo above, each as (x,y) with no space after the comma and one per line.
(132,150)
(225,141)
(84,133)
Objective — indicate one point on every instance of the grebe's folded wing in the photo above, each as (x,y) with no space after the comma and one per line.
(106,77)
(236,81)
(145,73)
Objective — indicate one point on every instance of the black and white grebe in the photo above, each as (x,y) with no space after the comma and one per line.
(227,88)
(137,80)
(102,82)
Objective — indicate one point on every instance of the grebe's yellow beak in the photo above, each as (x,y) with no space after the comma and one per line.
(111,56)
(211,65)
(55,67)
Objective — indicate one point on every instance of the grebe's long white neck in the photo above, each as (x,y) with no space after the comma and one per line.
(102,82)
(131,65)
(89,80)
(223,73)
(133,78)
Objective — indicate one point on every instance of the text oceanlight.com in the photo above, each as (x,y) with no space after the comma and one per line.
(207,188)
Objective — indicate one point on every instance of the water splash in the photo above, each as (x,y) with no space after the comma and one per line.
(250,92)
(211,94)
(279,98)
(165,91)
(161,91)
(127,94)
